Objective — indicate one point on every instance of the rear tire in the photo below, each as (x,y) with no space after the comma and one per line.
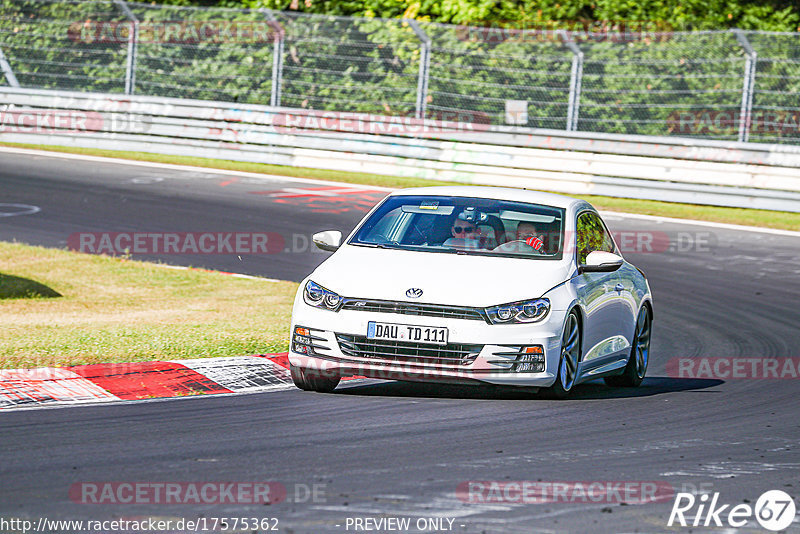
(569,360)
(636,368)
(313,380)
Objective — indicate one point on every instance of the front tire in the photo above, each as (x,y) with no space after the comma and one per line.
(569,360)
(313,381)
(636,368)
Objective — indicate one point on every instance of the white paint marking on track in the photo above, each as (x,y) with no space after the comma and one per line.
(18,209)
(112,402)
(153,165)
(242,373)
(276,177)
(294,191)
(47,385)
(725,226)
(725,470)
(53,387)
(147,180)
(234,275)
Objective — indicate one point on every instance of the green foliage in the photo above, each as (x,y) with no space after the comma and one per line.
(43,44)
(591,236)
(365,65)
(775,15)
(635,83)
(233,64)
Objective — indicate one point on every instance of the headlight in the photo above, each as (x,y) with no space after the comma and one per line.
(524,311)
(319,297)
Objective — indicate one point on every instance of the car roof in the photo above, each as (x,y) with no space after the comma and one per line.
(498,193)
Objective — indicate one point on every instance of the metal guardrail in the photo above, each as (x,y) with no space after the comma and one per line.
(659,168)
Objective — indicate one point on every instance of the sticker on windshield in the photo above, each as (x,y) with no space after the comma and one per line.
(429,208)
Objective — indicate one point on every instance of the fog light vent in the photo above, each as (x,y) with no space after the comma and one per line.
(304,342)
(530,360)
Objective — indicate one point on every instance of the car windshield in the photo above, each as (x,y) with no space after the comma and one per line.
(464,225)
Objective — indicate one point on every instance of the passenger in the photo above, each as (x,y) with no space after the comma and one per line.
(529,240)
(530,235)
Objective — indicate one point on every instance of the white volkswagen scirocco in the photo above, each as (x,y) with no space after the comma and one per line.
(473,284)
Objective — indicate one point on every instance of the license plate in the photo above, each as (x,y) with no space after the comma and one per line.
(434,335)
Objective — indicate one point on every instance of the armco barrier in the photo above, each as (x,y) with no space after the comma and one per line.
(660,168)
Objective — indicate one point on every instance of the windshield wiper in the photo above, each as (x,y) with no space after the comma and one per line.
(394,245)
(376,245)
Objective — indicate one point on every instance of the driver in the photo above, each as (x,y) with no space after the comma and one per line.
(464,231)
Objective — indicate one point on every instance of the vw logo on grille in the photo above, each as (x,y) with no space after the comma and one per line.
(413,292)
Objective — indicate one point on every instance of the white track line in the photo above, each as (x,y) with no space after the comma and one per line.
(235,275)
(155,165)
(726,226)
(275,177)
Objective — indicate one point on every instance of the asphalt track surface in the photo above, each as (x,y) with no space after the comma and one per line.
(397,449)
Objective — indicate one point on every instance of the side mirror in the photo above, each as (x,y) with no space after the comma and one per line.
(601,262)
(328,240)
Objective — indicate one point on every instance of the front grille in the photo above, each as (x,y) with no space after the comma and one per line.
(451,355)
(413,308)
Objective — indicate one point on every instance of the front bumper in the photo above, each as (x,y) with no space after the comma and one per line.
(489,352)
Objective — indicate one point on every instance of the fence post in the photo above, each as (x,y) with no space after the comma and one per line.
(133,39)
(6,68)
(277,58)
(575,81)
(748,86)
(424,67)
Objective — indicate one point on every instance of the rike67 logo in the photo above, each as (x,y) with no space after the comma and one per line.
(774,510)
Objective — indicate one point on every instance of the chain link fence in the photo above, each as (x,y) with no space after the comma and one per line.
(728,85)
(478,70)
(202,53)
(39,44)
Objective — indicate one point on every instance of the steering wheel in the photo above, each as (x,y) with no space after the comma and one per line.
(415,235)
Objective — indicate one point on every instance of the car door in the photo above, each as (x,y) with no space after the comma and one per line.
(600,295)
(631,289)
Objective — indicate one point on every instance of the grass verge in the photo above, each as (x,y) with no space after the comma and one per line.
(60,308)
(750,217)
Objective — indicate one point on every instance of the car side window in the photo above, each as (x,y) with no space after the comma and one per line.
(591,236)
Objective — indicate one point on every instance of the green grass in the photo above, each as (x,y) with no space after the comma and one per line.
(751,217)
(78,309)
